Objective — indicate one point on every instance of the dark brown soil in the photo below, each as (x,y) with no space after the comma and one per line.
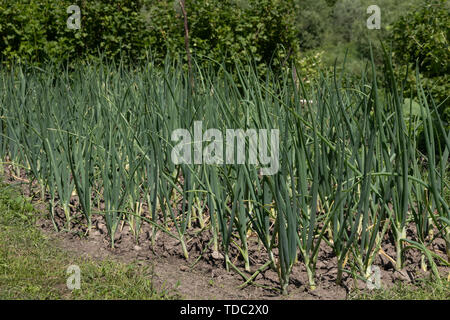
(208,278)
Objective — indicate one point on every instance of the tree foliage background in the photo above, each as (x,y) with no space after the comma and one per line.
(36,31)
(270,32)
(421,40)
(226,30)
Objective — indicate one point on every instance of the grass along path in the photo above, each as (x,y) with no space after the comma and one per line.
(422,289)
(32,266)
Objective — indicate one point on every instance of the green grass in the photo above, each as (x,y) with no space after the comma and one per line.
(33,267)
(421,290)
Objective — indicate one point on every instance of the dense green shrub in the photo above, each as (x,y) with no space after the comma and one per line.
(421,37)
(311,22)
(226,30)
(36,30)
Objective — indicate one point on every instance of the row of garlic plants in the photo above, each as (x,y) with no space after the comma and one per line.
(350,171)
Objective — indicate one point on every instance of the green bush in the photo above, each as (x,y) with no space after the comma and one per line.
(421,37)
(226,30)
(36,30)
(311,23)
